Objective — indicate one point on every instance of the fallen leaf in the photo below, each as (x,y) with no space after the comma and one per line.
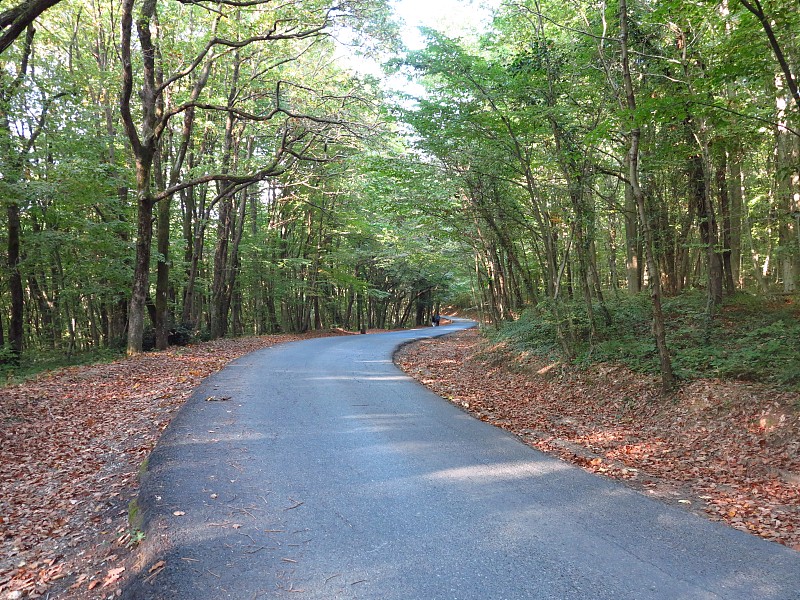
(159,565)
(59,427)
(113,576)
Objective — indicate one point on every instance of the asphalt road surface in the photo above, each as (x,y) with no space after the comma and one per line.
(321,471)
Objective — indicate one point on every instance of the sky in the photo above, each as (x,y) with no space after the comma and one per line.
(454,17)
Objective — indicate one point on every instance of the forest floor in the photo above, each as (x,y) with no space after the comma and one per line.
(72,443)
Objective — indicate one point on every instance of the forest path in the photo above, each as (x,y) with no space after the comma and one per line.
(318,470)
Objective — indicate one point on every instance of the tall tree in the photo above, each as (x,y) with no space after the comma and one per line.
(634,135)
(296,130)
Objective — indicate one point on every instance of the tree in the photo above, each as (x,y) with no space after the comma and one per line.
(284,197)
(298,130)
(755,7)
(14,153)
(634,135)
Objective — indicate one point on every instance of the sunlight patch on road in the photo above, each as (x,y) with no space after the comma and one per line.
(501,471)
(357,377)
(215,436)
(378,422)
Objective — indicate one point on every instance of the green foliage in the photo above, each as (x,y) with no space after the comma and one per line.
(8,363)
(135,517)
(181,334)
(751,339)
(535,331)
(516,153)
(34,363)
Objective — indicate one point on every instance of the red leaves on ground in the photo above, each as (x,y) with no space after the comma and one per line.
(729,449)
(71,445)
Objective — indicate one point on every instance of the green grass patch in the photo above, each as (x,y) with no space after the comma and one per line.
(34,362)
(135,523)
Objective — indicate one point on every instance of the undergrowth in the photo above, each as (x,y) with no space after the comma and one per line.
(35,362)
(749,338)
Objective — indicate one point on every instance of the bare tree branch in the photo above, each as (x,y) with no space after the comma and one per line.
(127,77)
(16,19)
(274,169)
(769,122)
(272,35)
(40,121)
(757,10)
(233,3)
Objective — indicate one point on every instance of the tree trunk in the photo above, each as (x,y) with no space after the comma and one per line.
(11,162)
(725,211)
(220,294)
(234,261)
(162,324)
(736,216)
(195,242)
(46,310)
(659,329)
(141,273)
(272,313)
(612,251)
(144,148)
(362,328)
(422,308)
(707,223)
(17,321)
(219,314)
(787,185)
(507,244)
(633,267)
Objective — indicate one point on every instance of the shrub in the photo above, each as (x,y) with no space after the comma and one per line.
(750,338)
(182,335)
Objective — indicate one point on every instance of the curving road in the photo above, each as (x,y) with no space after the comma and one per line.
(330,474)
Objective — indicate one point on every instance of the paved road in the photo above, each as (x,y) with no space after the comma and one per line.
(329,474)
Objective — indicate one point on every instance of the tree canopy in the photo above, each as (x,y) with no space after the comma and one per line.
(196,168)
